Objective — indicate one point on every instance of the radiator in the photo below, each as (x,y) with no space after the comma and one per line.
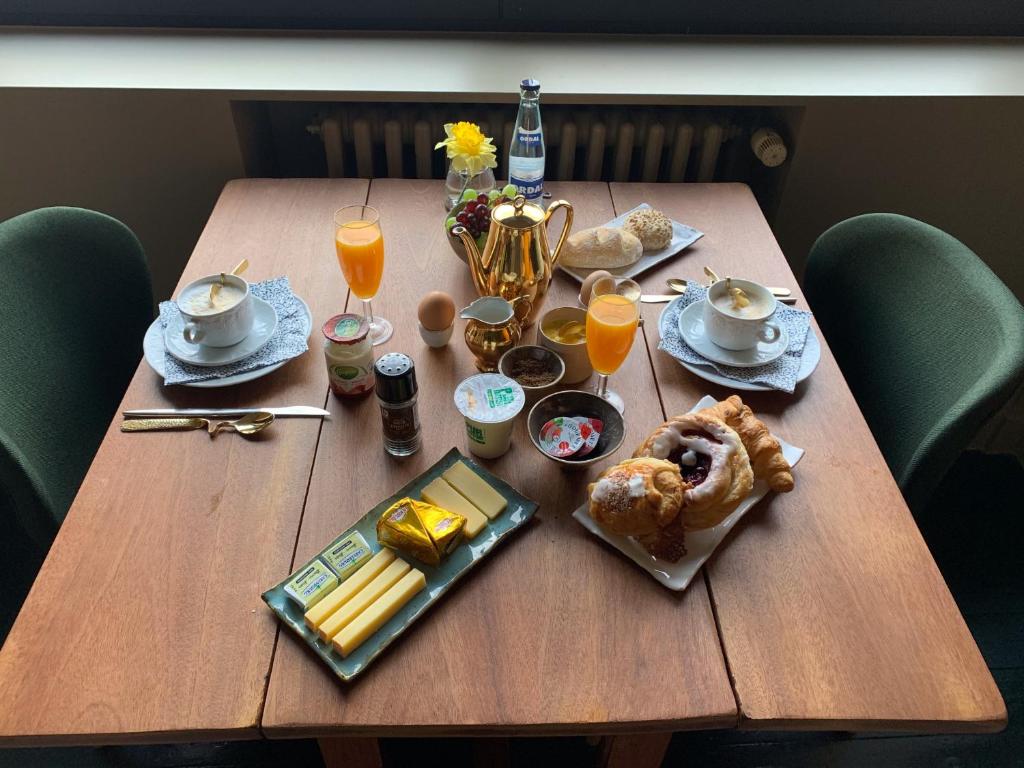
(583,144)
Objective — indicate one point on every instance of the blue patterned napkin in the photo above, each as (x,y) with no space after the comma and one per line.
(778,374)
(288,341)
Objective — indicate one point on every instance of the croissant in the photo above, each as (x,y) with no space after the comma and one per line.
(637,496)
(712,460)
(764,450)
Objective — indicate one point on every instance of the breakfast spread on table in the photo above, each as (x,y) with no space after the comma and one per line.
(376,578)
(693,475)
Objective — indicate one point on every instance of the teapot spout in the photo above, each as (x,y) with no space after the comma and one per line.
(473,258)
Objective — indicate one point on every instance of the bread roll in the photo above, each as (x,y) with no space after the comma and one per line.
(601,248)
(652,227)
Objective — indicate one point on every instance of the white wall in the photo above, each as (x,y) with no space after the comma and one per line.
(155,161)
(955,163)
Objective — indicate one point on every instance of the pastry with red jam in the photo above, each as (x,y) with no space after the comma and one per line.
(720,452)
(711,459)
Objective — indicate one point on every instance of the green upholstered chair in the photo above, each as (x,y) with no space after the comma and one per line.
(75,300)
(928,338)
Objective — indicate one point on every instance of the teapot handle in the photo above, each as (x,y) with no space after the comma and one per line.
(565,229)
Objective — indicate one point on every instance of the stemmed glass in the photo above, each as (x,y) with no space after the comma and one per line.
(359,242)
(612,319)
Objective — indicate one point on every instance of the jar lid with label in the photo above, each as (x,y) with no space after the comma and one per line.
(346,329)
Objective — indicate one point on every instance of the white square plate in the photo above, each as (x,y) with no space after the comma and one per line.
(682,237)
(699,544)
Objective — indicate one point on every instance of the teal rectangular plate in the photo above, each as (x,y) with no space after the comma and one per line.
(439,578)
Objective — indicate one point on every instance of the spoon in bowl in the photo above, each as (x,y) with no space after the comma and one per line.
(679,286)
(238,270)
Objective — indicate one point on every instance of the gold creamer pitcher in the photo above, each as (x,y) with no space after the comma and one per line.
(492,329)
(517,261)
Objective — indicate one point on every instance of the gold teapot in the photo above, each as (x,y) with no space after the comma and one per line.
(517,261)
(492,329)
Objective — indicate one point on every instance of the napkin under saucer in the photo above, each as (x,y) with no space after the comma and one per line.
(781,373)
(289,340)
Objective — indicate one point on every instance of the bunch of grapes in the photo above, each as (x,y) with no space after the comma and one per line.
(475,213)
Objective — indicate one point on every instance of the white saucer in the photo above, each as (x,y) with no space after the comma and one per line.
(154,350)
(691,328)
(263,326)
(808,362)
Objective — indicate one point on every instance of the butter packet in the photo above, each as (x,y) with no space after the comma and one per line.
(346,554)
(311,584)
(420,530)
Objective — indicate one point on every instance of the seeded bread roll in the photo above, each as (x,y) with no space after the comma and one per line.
(601,248)
(653,228)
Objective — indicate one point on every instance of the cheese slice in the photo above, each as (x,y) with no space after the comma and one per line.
(344,615)
(319,613)
(441,494)
(378,613)
(476,489)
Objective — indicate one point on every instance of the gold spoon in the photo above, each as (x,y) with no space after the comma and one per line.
(680,285)
(249,424)
(238,270)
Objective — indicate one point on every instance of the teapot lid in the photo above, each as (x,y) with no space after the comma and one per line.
(518,214)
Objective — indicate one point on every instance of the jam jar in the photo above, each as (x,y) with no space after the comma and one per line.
(349,354)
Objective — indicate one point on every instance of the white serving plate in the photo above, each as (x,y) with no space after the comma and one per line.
(153,350)
(809,361)
(699,544)
(682,237)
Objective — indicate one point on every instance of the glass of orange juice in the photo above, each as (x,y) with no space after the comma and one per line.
(612,319)
(359,243)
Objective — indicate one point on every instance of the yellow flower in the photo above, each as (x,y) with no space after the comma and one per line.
(468,149)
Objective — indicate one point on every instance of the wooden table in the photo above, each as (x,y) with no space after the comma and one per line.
(823,610)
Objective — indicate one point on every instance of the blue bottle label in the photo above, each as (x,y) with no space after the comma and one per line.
(530,189)
(527,175)
(530,138)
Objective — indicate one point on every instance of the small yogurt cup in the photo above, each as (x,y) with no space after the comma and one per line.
(489,402)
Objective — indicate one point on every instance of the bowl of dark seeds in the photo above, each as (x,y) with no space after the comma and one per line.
(538,370)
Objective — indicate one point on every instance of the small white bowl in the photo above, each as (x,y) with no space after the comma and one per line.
(436,339)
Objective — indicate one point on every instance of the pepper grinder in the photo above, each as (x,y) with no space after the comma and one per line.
(395,375)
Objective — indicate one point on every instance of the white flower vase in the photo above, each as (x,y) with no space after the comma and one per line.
(456,182)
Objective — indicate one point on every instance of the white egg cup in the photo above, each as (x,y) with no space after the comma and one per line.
(436,339)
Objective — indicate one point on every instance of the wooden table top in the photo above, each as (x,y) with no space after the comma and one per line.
(824,608)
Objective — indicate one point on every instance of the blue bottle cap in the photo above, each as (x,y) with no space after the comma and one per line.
(530,85)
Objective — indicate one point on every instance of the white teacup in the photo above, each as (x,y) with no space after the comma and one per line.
(742,328)
(221,322)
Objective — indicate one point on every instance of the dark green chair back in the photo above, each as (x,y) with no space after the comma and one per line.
(928,338)
(75,301)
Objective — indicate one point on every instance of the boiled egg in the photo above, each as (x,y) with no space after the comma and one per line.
(436,311)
